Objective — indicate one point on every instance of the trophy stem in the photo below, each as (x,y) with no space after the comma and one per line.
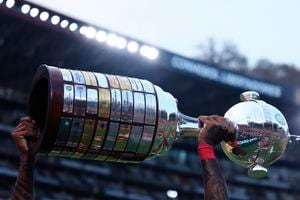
(188,126)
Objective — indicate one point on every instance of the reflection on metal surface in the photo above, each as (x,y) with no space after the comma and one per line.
(92,101)
(257,171)
(102,81)
(103,155)
(74,137)
(78,77)
(127,106)
(66,74)
(148,87)
(151,107)
(130,157)
(114,156)
(86,138)
(97,142)
(123,136)
(187,126)
(249,96)
(136,84)
(167,123)
(98,139)
(80,100)
(116,104)
(68,98)
(134,138)
(104,103)
(129,120)
(139,107)
(62,135)
(89,78)
(260,135)
(113,81)
(124,83)
(112,117)
(111,136)
(146,140)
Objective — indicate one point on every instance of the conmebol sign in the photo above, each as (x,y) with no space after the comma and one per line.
(225,77)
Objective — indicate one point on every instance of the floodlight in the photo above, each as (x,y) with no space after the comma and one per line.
(64,23)
(25,8)
(55,19)
(172,194)
(34,12)
(101,36)
(133,46)
(10,3)
(121,42)
(44,16)
(90,32)
(73,27)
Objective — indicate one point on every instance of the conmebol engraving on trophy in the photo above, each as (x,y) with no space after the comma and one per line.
(90,115)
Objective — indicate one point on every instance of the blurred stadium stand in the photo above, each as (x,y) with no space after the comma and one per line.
(26,42)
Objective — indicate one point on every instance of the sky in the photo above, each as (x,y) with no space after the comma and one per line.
(261,29)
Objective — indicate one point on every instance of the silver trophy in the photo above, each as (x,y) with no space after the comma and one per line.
(98,116)
(262,133)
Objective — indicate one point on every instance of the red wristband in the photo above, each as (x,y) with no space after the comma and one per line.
(206,151)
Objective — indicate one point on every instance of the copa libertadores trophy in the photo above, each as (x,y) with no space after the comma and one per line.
(90,115)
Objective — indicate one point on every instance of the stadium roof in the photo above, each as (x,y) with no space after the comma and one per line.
(32,35)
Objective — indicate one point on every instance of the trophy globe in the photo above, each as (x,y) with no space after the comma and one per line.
(262,134)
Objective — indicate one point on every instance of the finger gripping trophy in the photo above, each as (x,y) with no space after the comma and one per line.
(89,115)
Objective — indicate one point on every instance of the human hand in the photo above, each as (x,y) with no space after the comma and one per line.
(215,129)
(25,130)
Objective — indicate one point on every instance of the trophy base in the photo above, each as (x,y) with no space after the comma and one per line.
(257,172)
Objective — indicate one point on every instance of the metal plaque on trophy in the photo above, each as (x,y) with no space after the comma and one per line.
(97,116)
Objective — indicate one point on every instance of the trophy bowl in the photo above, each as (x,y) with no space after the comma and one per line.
(262,134)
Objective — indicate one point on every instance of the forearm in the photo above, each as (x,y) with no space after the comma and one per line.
(214,182)
(24,185)
(215,129)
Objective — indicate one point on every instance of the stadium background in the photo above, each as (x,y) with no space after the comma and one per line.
(26,41)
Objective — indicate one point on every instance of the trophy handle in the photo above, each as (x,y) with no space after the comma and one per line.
(188,126)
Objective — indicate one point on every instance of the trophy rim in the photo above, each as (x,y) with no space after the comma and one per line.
(53,109)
